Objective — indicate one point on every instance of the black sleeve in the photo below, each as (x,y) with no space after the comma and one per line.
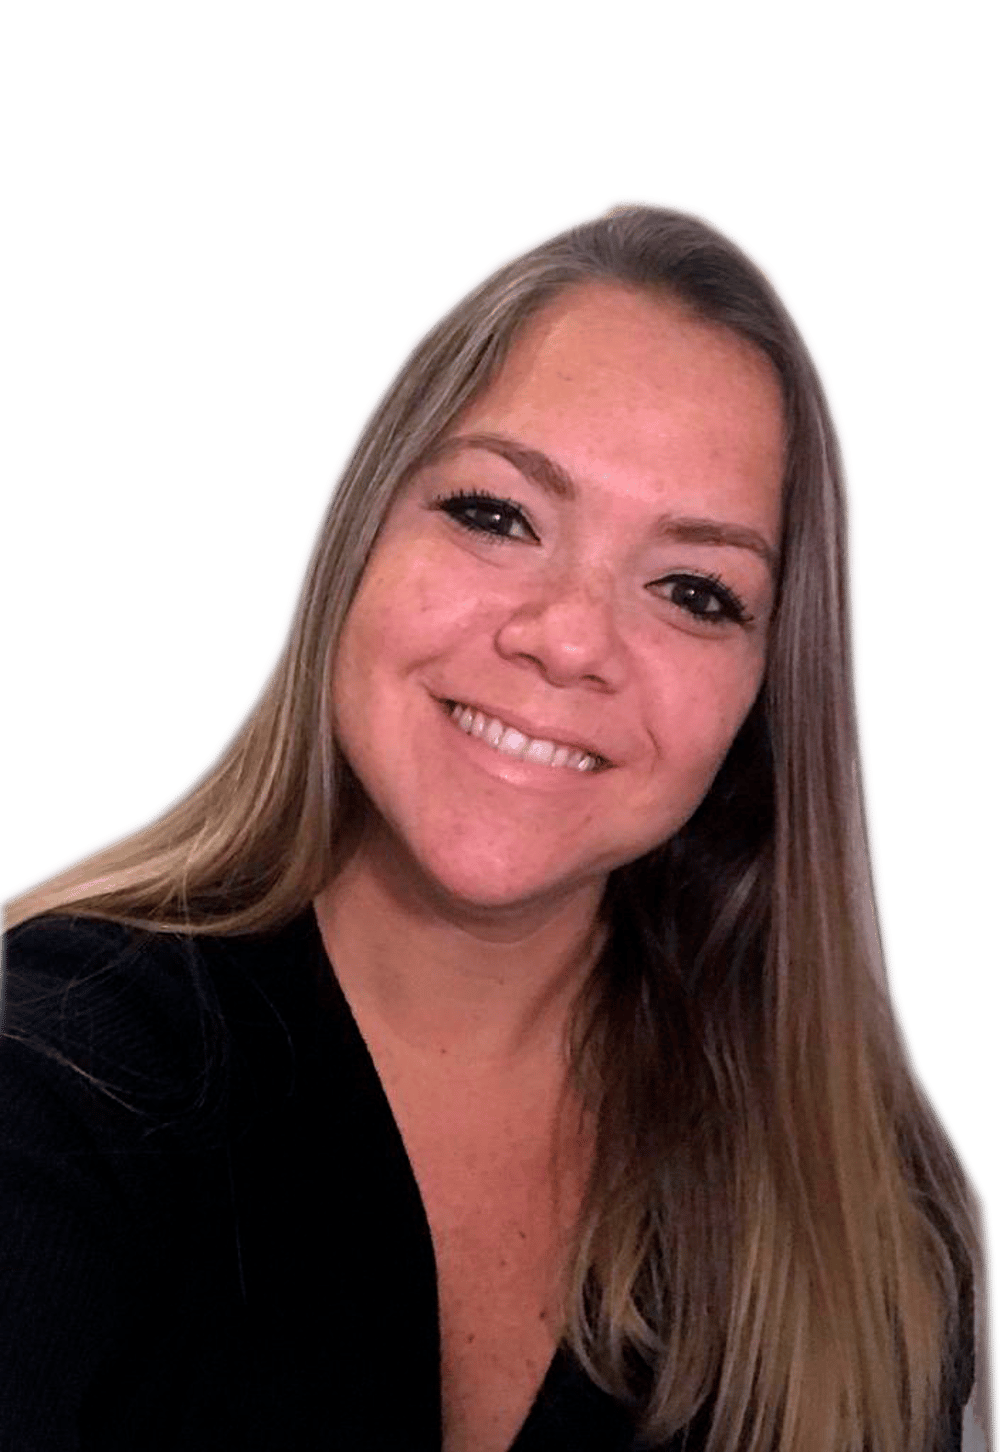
(65,1247)
(97,1069)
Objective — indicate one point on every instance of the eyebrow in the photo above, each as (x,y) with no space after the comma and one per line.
(554,480)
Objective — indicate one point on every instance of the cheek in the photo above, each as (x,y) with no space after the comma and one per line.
(689,749)
(375,632)
(698,712)
(408,616)
(414,605)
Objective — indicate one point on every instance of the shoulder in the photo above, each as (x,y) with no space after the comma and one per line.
(165,1024)
(79,981)
(157,1020)
(96,1014)
(68,953)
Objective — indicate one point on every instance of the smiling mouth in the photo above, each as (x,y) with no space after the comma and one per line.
(509,741)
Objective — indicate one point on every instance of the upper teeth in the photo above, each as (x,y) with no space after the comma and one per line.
(514,743)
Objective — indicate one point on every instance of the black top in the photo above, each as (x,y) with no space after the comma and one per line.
(210,1233)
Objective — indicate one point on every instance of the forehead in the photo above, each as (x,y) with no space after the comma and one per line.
(615,382)
(602,336)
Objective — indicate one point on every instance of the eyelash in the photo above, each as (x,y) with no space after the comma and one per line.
(459,507)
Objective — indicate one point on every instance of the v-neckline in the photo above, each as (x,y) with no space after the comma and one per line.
(561,1361)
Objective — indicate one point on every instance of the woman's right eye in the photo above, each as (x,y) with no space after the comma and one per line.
(497,519)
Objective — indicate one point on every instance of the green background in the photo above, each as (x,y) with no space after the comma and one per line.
(222,224)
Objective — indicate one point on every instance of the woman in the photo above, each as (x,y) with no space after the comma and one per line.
(494,1050)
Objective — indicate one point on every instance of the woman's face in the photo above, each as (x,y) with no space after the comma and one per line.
(586,569)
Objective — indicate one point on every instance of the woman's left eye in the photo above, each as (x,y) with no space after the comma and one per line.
(497,519)
(705,597)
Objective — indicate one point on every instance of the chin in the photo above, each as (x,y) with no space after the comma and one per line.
(482,882)
(498,892)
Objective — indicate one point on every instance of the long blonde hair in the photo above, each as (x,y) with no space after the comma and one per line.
(777,1233)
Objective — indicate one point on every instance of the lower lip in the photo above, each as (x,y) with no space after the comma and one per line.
(512,769)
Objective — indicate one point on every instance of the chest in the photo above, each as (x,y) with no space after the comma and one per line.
(501,1192)
(499,1226)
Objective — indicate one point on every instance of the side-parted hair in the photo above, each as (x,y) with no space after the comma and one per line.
(777,1237)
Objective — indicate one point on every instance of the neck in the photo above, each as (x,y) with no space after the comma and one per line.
(468,985)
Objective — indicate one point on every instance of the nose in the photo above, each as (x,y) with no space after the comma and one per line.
(566,628)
